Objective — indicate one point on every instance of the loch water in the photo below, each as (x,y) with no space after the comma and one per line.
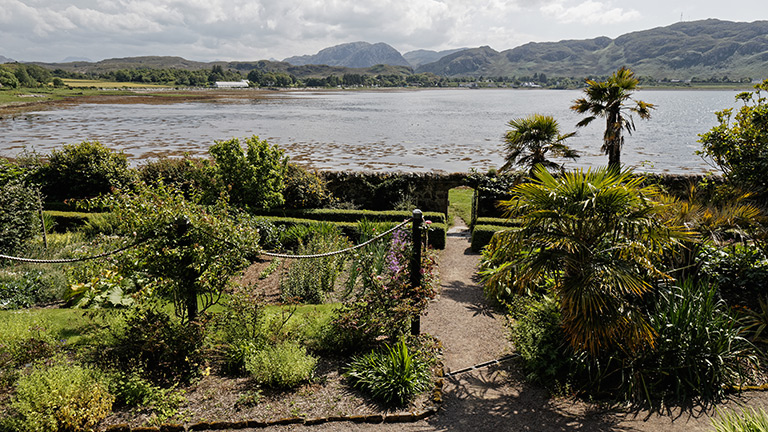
(450,130)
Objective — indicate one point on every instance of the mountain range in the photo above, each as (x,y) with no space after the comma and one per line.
(685,50)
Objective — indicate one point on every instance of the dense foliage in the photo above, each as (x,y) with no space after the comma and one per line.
(738,145)
(598,236)
(252,177)
(393,375)
(96,168)
(18,219)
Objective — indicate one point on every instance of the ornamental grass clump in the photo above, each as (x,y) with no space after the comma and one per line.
(748,420)
(393,375)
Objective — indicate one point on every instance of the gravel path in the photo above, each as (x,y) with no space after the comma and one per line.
(497,398)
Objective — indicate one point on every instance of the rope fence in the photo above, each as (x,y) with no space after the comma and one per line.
(338,252)
(70,260)
(271,254)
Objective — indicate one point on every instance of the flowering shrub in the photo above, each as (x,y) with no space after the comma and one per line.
(386,307)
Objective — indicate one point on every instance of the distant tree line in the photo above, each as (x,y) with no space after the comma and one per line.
(15,75)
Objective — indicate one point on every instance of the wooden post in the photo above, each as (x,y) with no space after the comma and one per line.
(42,219)
(416,265)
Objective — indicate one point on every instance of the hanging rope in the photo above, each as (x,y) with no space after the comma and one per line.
(70,260)
(327,254)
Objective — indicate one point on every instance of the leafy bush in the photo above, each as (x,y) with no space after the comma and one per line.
(283,365)
(240,327)
(482,235)
(748,420)
(18,219)
(739,271)
(84,170)
(539,339)
(252,176)
(59,397)
(166,350)
(304,189)
(393,375)
(22,290)
(131,389)
(387,306)
(190,175)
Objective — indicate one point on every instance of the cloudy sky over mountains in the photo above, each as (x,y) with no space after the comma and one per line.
(205,30)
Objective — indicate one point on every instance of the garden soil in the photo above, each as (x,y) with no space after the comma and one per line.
(497,398)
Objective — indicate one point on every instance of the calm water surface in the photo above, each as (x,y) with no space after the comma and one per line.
(410,130)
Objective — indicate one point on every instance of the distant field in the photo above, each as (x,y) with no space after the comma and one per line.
(107,84)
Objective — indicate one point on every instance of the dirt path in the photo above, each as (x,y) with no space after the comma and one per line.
(497,398)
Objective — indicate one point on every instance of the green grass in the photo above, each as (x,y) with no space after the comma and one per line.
(460,204)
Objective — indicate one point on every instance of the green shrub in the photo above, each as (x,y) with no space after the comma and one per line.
(59,397)
(699,349)
(539,339)
(132,390)
(739,271)
(748,420)
(305,189)
(84,170)
(26,289)
(284,365)
(393,375)
(482,234)
(167,351)
(345,215)
(18,218)
(252,176)
(504,222)
(188,174)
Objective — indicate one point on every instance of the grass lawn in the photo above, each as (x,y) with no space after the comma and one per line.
(460,204)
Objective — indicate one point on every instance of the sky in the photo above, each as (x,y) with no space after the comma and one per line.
(246,30)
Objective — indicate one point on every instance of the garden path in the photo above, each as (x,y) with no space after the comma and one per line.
(497,398)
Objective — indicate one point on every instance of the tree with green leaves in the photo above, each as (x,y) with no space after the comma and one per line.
(252,176)
(612,100)
(738,145)
(596,237)
(532,139)
(190,251)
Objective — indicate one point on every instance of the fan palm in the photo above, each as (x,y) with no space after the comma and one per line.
(597,235)
(610,99)
(530,141)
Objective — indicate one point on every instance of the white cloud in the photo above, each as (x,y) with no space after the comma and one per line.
(589,12)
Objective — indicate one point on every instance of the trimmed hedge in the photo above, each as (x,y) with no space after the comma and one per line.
(339,215)
(481,235)
(436,237)
(503,222)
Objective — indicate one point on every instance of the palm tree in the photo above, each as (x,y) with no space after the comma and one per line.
(531,139)
(610,99)
(597,236)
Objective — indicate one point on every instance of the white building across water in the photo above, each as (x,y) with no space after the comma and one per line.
(232,84)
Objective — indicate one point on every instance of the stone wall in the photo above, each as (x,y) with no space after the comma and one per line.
(429,191)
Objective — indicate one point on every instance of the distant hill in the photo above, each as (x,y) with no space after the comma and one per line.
(5,60)
(462,63)
(420,57)
(702,49)
(354,55)
(680,51)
